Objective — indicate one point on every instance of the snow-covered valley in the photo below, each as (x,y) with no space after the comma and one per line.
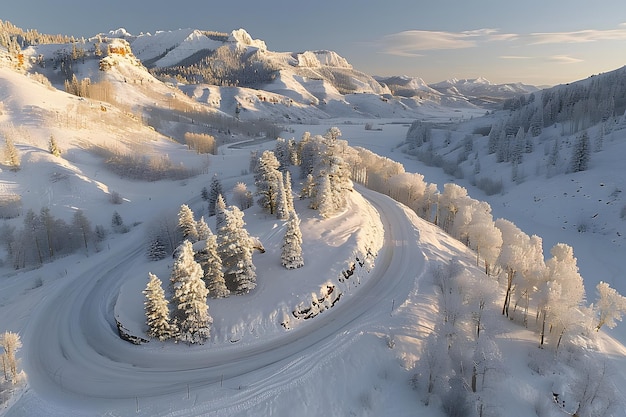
(375,336)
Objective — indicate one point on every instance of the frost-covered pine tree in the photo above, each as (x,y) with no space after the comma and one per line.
(156,247)
(288,190)
(291,256)
(282,206)
(323,200)
(211,263)
(235,249)
(581,153)
(187,224)
(283,154)
(220,212)
(190,297)
(157,310)
(203,229)
(204,193)
(267,181)
(215,191)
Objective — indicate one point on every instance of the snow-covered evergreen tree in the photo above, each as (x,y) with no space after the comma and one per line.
(267,181)
(220,212)
(117,223)
(190,297)
(323,200)
(187,224)
(308,154)
(156,247)
(235,249)
(283,154)
(215,190)
(288,190)
(291,256)
(282,206)
(157,310)
(581,153)
(211,263)
(203,229)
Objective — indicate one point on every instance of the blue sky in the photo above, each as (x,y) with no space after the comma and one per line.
(538,42)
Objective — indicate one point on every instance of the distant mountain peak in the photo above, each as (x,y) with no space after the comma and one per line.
(120,33)
(240,36)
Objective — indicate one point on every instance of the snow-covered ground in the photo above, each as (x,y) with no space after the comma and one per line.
(356,358)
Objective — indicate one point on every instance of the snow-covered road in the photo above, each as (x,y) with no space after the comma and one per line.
(75,356)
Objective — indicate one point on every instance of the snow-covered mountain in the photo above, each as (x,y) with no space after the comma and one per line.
(480,91)
(292,80)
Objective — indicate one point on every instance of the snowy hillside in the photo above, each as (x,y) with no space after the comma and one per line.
(390,315)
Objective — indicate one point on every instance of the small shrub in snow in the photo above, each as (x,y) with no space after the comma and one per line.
(489,186)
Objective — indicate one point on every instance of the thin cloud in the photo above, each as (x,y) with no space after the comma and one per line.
(580,36)
(561,59)
(564,59)
(412,42)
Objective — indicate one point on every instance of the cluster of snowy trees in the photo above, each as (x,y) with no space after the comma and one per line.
(226,66)
(14,38)
(461,363)
(208,264)
(552,289)
(584,112)
(44,238)
(190,320)
(201,142)
(325,166)
(141,167)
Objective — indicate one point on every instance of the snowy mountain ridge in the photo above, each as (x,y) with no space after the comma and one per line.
(172,48)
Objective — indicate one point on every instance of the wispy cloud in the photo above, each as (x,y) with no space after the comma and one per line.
(564,59)
(413,42)
(579,36)
(515,57)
